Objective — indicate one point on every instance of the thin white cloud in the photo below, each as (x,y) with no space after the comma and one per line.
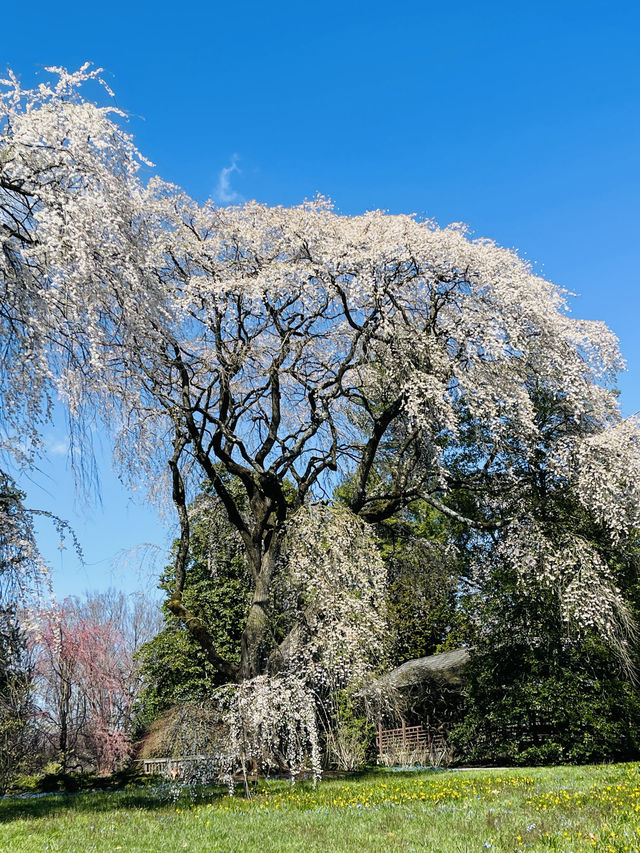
(58,448)
(224,192)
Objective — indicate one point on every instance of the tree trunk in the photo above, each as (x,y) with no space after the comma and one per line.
(63,740)
(258,640)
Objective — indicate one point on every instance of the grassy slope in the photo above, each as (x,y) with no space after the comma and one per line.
(561,808)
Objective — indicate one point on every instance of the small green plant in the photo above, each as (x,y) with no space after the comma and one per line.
(349,735)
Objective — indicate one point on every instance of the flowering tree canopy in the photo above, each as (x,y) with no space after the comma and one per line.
(86,677)
(295,346)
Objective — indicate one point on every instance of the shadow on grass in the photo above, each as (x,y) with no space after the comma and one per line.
(50,805)
(159,798)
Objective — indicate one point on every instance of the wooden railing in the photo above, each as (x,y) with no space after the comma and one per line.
(408,740)
(401,742)
(172,767)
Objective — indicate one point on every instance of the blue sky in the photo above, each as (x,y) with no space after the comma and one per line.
(521,120)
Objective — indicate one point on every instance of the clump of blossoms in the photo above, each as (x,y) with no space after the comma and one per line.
(575,571)
(334,565)
(272,726)
(263,725)
(69,205)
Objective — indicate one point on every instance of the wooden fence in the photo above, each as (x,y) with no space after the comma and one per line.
(172,767)
(407,741)
(404,744)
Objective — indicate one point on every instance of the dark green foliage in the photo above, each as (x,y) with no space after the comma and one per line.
(349,736)
(18,735)
(426,563)
(427,566)
(540,690)
(421,598)
(548,704)
(173,667)
(537,694)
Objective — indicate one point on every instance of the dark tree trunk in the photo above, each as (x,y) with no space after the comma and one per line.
(258,640)
(63,740)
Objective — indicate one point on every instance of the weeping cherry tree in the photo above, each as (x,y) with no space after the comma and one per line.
(292,348)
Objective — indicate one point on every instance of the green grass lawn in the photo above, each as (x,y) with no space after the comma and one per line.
(559,808)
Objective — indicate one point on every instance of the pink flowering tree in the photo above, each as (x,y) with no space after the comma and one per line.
(85,684)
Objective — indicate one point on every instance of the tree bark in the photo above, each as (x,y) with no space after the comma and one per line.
(63,740)
(258,641)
